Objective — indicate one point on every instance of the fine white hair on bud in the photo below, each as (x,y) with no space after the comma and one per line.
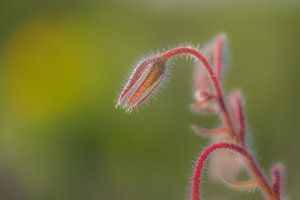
(144,80)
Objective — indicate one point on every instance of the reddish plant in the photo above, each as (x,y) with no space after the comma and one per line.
(225,166)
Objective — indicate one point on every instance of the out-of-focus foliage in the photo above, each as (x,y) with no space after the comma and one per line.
(48,67)
(62,63)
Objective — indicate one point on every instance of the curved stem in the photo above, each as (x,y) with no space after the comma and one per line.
(252,167)
(213,77)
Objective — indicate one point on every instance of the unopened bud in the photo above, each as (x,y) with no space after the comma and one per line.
(143,82)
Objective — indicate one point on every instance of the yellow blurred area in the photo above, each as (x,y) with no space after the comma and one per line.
(47,67)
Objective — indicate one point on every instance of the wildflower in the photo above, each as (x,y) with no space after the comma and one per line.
(210,98)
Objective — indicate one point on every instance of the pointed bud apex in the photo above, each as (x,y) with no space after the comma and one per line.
(143,82)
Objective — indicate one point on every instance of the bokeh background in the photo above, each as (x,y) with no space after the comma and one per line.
(62,64)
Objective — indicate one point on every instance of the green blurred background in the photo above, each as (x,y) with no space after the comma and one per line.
(62,64)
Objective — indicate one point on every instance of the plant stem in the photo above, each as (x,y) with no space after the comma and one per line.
(214,79)
(252,166)
(276,179)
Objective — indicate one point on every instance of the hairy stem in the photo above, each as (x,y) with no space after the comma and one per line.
(252,167)
(213,77)
(276,179)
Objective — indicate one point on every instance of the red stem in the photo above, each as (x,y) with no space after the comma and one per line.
(218,54)
(241,131)
(276,179)
(213,77)
(253,168)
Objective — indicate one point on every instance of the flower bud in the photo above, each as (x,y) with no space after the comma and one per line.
(143,82)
